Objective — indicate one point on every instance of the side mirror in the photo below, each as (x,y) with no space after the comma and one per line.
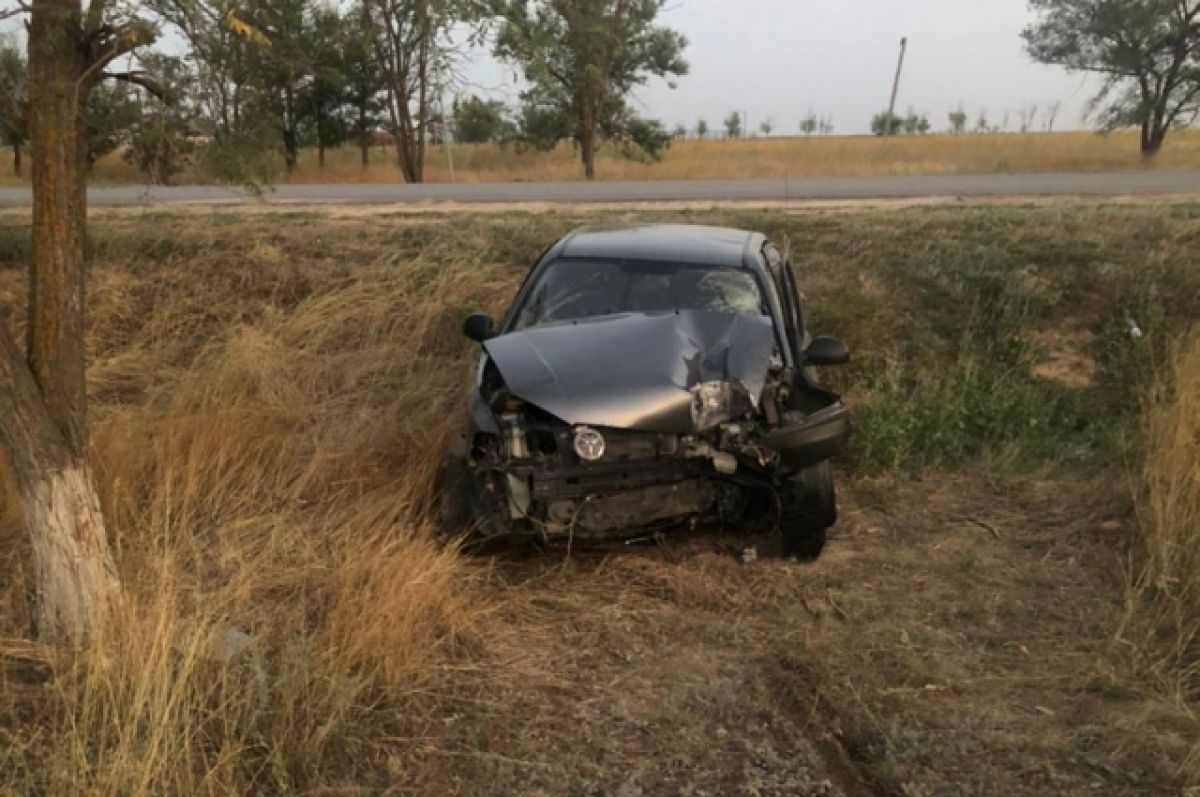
(479,327)
(826,351)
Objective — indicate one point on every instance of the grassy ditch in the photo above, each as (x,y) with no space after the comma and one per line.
(270,395)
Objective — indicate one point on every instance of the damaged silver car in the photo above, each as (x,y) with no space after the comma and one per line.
(647,379)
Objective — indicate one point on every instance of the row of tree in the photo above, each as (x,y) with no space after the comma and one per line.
(261,78)
(477,121)
(266,77)
(958,122)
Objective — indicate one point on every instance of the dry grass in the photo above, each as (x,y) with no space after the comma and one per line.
(1171,504)
(271,392)
(1166,590)
(745,158)
(263,460)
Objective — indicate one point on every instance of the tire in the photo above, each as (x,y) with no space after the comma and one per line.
(454,501)
(808,513)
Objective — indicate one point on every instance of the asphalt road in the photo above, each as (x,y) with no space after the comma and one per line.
(810,188)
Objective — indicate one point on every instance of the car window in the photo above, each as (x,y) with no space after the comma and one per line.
(571,289)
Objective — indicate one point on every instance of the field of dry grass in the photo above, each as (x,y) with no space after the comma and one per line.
(745,158)
(270,395)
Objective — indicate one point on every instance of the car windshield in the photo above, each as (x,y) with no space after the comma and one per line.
(571,289)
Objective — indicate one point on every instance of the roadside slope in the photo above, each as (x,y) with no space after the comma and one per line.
(270,394)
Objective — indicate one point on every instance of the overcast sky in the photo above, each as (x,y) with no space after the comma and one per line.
(778,58)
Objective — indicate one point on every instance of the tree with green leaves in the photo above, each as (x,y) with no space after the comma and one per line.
(809,124)
(282,67)
(541,125)
(702,129)
(14,101)
(958,121)
(226,90)
(323,97)
(766,126)
(479,121)
(112,113)
(159,143)
(1148,52)
(362,78)
(913,123)
(582,58)
(733,125)
(887,124)
(645,140)
(414,53)
(219,54)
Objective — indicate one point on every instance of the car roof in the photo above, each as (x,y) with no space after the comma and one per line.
(678,243)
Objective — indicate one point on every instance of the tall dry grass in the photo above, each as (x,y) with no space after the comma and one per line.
(265,436)
(1165,595)
(1169,584)
(742,158)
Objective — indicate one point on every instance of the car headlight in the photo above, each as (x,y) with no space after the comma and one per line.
(712,404)
(589,444)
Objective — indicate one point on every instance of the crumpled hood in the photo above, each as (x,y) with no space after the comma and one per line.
(634,370)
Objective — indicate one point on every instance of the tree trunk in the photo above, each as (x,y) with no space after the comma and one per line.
(587,149)
(74,572)
(364,139)
(290,138)
(1153,136)
(43,401)
(290,157)
(422,97)
(321,154)
(58,276)
(402,155)
(406,155)
(16,158)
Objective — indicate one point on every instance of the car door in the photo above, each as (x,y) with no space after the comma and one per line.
(780,271)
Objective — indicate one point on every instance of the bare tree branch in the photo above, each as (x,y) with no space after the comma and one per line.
(111,44)
(144,79)
(18,8)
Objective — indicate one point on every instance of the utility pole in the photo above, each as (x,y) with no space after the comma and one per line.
(887,131)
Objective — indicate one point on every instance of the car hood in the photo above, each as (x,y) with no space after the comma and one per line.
(634,370)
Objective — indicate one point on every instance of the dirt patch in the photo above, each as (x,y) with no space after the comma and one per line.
(955,640)
(1066,361)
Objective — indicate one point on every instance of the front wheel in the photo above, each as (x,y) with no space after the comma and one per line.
(808,512)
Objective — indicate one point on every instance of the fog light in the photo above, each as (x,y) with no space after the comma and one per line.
(589,444)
